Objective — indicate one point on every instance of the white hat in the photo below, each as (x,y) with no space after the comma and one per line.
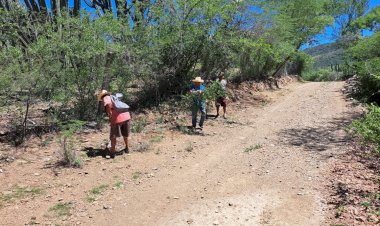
(198,79)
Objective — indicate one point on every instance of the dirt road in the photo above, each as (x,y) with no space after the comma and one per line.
(262,166)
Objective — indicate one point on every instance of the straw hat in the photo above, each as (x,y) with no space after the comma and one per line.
(102,93)
(198,79)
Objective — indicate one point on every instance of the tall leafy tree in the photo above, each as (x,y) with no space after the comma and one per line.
(346,12)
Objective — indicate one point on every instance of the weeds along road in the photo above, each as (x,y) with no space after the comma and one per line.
(263,166)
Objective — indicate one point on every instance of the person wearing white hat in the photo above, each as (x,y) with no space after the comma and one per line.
(199,104)
(120,122)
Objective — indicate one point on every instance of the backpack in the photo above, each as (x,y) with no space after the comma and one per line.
(119,105)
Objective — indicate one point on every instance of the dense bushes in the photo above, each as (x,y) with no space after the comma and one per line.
(322,75)
(368,128)
(365,55)
(366,64)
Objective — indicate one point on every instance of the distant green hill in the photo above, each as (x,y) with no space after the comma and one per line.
(326,54)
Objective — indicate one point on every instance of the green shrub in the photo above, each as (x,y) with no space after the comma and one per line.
(322,75)
(368,76)
(62,209)
(67,141)
(138,125)
(368,128)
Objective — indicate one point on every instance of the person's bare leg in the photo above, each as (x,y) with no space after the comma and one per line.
(224,112)
(217,110)
(113,147)
(126,139)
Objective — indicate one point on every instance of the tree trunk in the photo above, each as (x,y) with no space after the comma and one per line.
(280,66)
(77,5)
(34,5)
(53,4)
(25,117)
(106,80)
(43,7)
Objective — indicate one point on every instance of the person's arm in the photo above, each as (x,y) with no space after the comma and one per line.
(192,89)
(108,111)
(107,105)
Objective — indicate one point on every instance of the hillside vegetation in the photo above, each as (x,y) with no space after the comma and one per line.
(326,55)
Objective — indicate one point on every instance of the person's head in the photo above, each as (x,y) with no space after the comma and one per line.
(198,81)
(221,76)
(101,94)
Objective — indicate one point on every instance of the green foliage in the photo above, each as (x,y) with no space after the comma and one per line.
(368,128)
(62,209)
(345,13)
(303,62)
(253,148)
(160,119)
(326,55)
(67,141)
(192,99)
(322,75)
(366,63)
(118,184)
(70,127)
(156,139)
(136,175)
(20,193)
(214,90)
(94,192)
(369,20)
(98,190)
(138,125)
(299,20)
(66,66)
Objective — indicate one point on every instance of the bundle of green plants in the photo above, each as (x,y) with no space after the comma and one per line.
(368,127)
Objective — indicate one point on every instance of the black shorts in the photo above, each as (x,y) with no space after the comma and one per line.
(122,129)
(221,101)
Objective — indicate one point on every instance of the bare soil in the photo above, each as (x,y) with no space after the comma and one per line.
(269,163)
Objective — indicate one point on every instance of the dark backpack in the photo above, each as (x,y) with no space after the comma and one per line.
(119,105)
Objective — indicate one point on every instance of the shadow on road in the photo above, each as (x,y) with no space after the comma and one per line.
(322,137)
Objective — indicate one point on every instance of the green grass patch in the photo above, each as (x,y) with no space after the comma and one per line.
(136,175)
(142,146)
(90,198)
(138,125)
(253,148)
(189,147)
(186,130)
(339,211)
(98,190)
(160,119)
(61,209)
(366,204)
(20,193)
(156,139)
(118,184)
(91,194)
